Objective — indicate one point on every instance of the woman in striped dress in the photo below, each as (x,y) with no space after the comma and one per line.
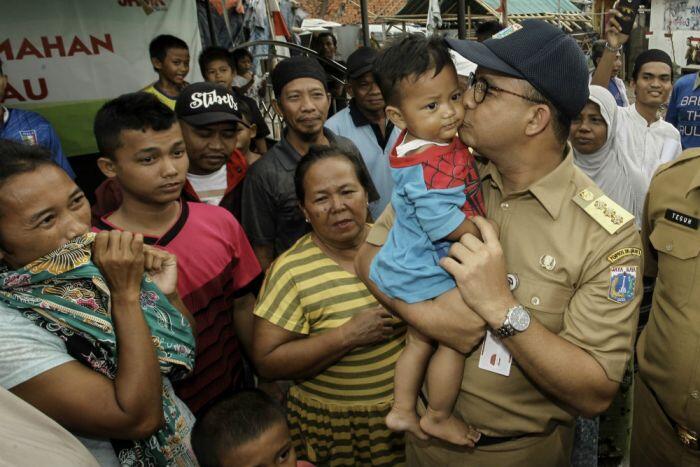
(318,325)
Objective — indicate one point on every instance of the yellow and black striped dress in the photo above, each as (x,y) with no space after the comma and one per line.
(336,417)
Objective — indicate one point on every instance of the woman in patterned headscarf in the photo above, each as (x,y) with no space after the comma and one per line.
(85,336)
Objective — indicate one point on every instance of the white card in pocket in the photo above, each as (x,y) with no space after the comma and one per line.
(495,356)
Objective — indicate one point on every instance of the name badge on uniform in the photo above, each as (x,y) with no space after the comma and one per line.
(623,281)
(495,356)
(682,219)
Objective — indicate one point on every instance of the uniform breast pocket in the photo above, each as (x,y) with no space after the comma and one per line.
(547,301)
(677,250)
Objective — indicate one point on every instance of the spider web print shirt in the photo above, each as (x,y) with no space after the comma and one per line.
(435,190)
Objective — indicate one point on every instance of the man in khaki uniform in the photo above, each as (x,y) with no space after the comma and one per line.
(568,310)
(666,424)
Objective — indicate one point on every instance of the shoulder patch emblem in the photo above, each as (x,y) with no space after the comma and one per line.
(606,212)
(623,282)
(622,252)
(29,137)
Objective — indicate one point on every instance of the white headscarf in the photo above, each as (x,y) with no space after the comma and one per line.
(611,167)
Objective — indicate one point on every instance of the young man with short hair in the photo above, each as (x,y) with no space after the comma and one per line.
(142,147)
(639,126)
(271,216)
(218,66)
(30,128)
(364,123)
(170,58)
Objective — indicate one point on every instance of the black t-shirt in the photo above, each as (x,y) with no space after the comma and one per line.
(270,211)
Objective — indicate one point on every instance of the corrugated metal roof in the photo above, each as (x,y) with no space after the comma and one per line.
(527,7)
(515,7)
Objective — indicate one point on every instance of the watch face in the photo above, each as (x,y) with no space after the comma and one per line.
(519,318)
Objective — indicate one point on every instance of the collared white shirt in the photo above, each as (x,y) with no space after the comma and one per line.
(653,144)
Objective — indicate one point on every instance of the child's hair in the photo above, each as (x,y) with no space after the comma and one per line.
(410,58)
(160,45)
(239,54)
(134,111)
(245,111)
(212,53)
(241,418)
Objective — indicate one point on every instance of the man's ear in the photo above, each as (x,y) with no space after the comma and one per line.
(348,89)
(304,212)
(157,64)
(278,109)
(253,128)
(107,166)
(3,86)
(538,118)
(396,117)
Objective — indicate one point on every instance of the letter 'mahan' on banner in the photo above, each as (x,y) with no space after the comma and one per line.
(65,58)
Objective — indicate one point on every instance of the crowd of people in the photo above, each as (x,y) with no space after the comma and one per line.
(445,269)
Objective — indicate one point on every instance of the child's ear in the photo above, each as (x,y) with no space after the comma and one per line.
(396,117)
(157,64)
(106,166)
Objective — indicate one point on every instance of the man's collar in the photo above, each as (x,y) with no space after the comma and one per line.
(551,190)
(358,118)
(290,157)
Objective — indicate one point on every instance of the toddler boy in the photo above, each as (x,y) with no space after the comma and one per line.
(436,192)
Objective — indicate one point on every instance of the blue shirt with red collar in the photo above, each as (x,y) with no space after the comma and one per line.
(434,191)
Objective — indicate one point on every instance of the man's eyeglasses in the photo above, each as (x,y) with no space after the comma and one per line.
(481,87)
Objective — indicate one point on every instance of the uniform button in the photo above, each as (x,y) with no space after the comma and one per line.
(669,247)
(535,300)
(695,394)
(505,205)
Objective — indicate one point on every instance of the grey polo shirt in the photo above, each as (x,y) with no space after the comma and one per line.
(270,211)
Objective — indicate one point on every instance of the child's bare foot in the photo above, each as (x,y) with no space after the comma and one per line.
(400,420)
(450,429)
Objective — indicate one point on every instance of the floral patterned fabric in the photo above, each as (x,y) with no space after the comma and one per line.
(65,293)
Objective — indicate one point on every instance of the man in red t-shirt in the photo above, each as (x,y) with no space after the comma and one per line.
(142,148)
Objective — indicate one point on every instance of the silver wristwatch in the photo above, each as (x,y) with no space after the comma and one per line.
(517,320)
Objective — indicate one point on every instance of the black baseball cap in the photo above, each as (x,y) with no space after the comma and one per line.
(540,53)
(202,104)
(361,61)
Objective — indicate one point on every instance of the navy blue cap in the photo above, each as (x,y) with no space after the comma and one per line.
(540,53)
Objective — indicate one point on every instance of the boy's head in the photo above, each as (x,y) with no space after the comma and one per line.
(170,58)
(217,66)
(247,129)
(141,145)
(652,77)
(247,430)
(243,60)
(419,84)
